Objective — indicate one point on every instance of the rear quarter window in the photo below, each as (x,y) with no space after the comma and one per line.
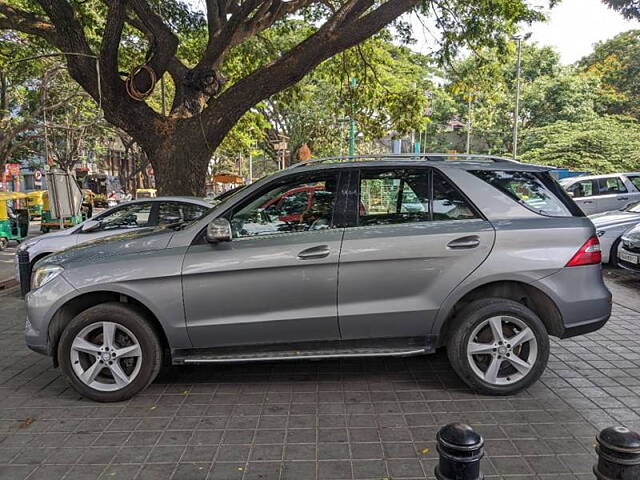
(537,191)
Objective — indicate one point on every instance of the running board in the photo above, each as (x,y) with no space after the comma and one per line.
(245,354)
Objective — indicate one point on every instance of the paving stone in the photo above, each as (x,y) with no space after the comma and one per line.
(340,419)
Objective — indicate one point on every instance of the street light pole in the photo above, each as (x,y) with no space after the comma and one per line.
(516,113)
(469,127)
(352,123)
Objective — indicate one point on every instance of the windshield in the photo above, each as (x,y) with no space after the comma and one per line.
(634,207)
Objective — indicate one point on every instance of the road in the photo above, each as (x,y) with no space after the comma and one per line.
(341,419)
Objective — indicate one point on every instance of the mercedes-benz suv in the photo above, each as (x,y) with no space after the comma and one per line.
(355,257)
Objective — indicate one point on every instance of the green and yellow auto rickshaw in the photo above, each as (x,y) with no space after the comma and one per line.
(47,221)
(35,203)
(14,221)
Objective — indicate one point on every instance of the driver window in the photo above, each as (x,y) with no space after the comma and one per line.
(295,205)
(133,216)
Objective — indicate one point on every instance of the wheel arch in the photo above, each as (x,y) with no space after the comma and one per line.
(524,293)
(80,303)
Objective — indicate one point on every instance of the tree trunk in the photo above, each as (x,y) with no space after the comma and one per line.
(180,167)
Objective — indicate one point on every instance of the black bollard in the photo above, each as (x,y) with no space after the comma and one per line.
(618,450)
(460,449)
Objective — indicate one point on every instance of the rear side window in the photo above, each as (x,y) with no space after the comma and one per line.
(409,196)
(635,179)
(611,185)
(448,203)
(394,196)
(535,190)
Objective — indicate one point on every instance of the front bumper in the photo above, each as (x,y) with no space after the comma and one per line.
(624,251)
(42,305)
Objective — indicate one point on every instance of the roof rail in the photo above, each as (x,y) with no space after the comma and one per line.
(432,157)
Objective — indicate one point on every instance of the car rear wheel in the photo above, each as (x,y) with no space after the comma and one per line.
(109,352)
(498,346)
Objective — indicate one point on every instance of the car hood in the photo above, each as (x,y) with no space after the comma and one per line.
(633,236)
(54,234)
(614,219)
(127,243)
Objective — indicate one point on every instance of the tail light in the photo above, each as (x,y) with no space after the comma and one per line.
(589,254)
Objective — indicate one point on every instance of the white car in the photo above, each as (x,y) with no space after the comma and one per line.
(143,213)
(611,225)
(603,193)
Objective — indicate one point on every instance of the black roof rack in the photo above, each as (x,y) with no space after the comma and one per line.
(431,157)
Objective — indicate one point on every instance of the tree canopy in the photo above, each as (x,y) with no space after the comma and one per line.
(194,52)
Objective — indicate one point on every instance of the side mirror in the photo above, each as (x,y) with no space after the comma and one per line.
(90,226)
(219,230)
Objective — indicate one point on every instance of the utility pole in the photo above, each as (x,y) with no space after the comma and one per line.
(469,127)
(516,114)
(352,123)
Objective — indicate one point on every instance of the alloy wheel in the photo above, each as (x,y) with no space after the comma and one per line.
(502,350)
(106,356)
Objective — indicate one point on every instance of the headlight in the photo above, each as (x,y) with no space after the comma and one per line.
(44,275)
(601,233)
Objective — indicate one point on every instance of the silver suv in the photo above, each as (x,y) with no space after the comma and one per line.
(357,257)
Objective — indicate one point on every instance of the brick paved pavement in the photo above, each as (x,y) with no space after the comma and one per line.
(356,419)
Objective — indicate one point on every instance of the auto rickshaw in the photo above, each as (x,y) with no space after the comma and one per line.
(14,222)
(146,193)
(47,221)
(35,202)
(88,202)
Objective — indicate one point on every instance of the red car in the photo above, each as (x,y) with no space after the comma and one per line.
(290,205)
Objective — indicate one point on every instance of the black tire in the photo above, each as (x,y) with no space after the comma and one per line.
(129,318)
(613,254)
(472,316)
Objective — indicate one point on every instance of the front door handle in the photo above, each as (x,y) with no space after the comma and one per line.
(587,201)
(320,251)
(623,198)
(465,242)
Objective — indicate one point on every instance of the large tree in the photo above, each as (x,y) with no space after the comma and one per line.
(204,106)
(629,8)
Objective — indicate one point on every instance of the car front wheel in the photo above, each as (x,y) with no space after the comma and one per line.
(498,346)
(109,352)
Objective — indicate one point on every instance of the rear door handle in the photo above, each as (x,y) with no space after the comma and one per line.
(587,201)
(465,242)
(320,251)
(623,198)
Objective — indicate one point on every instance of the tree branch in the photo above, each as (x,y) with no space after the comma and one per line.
(345,29)
(26,22)
(164,43)
(116,15)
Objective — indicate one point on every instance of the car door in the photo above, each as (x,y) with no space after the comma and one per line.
(415,238)
(612,194)
(633,185)
(585,194)
(121,219)
(276,280)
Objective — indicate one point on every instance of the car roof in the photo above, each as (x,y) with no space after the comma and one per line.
(595,177)
(439,160)
(184,199)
